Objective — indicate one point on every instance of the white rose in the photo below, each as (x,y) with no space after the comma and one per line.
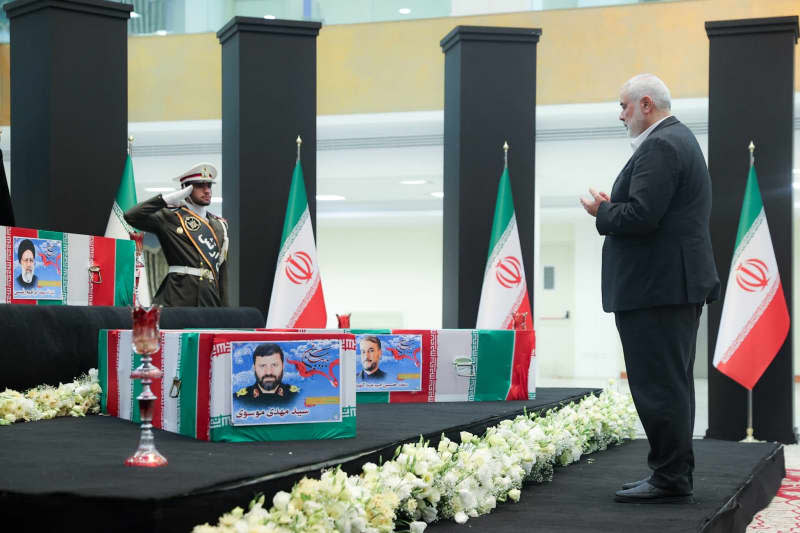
(281,500)
(417,527)
(461,517)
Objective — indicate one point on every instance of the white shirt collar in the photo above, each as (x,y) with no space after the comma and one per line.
(637,142)
(199,209)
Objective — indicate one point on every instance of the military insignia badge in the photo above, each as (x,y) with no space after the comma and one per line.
(241,392)
(192,223)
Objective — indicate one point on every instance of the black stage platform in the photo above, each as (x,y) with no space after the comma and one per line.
(68,473)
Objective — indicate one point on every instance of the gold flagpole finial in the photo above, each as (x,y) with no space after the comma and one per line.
(130,144)
(505,154)
(299,142)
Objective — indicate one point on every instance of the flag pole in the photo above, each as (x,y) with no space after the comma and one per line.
(505,154)
(749,437)
(130,144)
(299,142)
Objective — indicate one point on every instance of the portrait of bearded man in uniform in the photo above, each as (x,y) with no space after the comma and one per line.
(194,240)
(269,389)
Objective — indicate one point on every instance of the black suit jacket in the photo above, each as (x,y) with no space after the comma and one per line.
(657,249)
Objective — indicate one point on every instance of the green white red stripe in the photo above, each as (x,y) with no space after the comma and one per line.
(183,409)
(505,291)
(463,365)
(297,299)
(755,318)
(111,282)
(117,228)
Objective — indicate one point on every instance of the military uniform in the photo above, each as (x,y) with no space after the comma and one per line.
(253,396)
(195,247)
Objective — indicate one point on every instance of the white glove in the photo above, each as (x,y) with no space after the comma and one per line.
(176,198)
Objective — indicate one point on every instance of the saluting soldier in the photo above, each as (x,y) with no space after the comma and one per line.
(194,240)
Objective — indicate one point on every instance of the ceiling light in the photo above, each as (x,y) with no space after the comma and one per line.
(329,197)
(270,17)
(216,199)
(159,189)
(438,194)
(135,15)
(161,32)
(404,11)
(413,182)
(796,185)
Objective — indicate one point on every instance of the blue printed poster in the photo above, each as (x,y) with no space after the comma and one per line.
(285,382)
(388,363)
(37,269)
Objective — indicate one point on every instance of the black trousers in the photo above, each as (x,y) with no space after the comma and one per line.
(659,347)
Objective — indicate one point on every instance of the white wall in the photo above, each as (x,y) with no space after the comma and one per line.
(386,268)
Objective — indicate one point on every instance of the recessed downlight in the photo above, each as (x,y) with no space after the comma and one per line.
(414,182)
(438,194)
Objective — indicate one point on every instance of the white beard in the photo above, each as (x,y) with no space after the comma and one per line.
(27,276)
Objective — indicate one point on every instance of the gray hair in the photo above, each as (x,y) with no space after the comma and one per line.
(648,85)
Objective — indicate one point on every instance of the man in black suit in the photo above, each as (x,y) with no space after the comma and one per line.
(658,271)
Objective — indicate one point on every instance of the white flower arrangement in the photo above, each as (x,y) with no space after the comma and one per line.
(79,398)
(422,484)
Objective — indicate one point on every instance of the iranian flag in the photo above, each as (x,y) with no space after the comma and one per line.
(297,300)
(83,269)
(504,292)
(117,228)
(755,319)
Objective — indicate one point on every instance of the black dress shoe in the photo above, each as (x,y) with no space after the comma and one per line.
(632,484)
(647,493)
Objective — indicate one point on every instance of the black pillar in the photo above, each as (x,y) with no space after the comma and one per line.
(269,97)
(750,97)
(69,111)
(489,98)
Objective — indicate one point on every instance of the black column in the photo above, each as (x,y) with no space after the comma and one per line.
(750,97)
(489,98)
(269,97)
(69,111)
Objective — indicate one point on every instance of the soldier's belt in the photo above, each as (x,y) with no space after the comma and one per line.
(202,273)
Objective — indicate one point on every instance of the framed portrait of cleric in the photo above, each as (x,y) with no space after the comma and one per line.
(37,269)
(388,362)
(285,382)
